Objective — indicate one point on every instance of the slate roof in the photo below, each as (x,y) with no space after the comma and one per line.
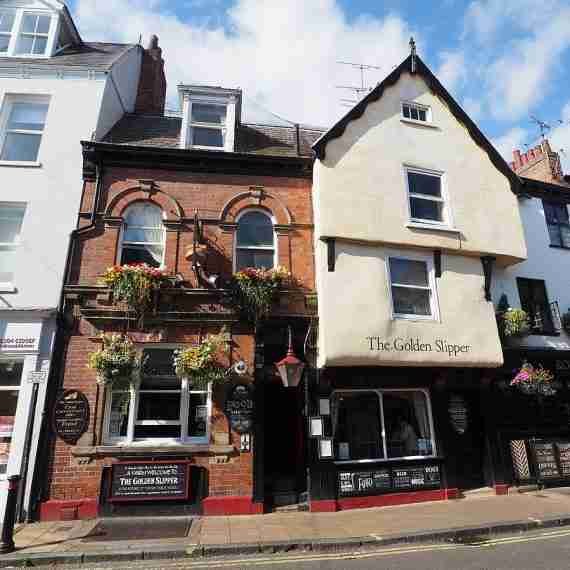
(164,132)
(94,56)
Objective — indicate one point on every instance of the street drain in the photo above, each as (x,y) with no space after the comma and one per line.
(139,529)
(470,539)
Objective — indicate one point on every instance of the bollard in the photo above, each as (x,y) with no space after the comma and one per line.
(7,545)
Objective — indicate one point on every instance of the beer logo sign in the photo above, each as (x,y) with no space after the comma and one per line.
(458,413)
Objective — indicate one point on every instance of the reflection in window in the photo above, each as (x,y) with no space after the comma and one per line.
(34,34)
(426,198)
(24,131)
(143,235)
(411,291)
(255,246)
(10,382)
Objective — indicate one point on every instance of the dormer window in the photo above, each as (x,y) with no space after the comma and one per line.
(34,34)
(208,125)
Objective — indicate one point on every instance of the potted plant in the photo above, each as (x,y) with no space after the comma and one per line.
(534,380)
(253,291)
(116,361)
(134,284)
(515,323)
(200,363)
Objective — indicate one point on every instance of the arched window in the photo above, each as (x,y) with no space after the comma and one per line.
(143,235)
(255,244)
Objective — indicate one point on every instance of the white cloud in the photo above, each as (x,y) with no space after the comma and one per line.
(452,72)
(511,140)
(282,54)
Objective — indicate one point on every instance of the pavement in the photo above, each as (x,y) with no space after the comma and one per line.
(460,521)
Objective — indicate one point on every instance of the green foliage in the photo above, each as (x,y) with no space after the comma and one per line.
(515,322)
(116,361)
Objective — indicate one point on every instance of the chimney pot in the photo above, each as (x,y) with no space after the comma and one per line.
(151,96)
(153,43)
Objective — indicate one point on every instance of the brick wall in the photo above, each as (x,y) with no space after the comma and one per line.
(539,163)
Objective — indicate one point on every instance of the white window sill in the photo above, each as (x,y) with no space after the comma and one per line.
(433,227)
(21,163)
(419,123)
(418,318)
(7,288)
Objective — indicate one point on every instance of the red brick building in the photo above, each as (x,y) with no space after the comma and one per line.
(202,194)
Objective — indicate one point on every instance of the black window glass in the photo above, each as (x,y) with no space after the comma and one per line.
(255,229)
(426,209)
(424,184)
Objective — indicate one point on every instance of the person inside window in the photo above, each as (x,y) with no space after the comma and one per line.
(404,436)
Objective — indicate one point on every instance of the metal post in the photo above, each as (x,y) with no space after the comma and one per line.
(7,545)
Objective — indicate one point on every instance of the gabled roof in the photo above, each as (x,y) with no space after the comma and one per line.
(414,65)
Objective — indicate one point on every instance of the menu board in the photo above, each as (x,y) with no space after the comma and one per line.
(371,482)
(564,458)
(152,481)
(545,459)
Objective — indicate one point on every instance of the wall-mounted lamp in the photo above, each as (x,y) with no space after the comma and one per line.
(290,368)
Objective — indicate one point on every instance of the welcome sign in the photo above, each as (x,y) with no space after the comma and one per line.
(401,344)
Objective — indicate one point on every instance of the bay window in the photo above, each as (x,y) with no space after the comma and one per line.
(381,424)
(159,407)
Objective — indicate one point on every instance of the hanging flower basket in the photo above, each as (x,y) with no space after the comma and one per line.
(134,284)
(514,322)
(116,361)
(253,291)
(534,380)
(200,363)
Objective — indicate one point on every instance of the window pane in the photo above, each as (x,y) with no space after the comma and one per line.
(408,272)
(137,234)
(8,405)
(260,259)
(143,214)
(198,415)
(25,45)
(4,43)
(20,147)
(158,365)
(207,137)
(7,21)
(39,46)
(157,406)
(10,223)
(119,420)
(149,432)
(411,301)
(43,24)
(7,265)
(204,113)
(255,230)
(149,254)
(10,373)
(423,115)
(414,113)
(28,116)
(554,233)
(565,234)
(424,184)
(407,424)
(356,426)
(406,111)
(29,22)
(426,210)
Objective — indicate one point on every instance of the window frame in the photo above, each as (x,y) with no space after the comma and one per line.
(9,286)
(275,240)
(379,392)
(214,126)
(17,32)
(134,394)
(10,100)
(122,241)
(447,219)
(558,225)
(48,36)
(419,107)
(11,33)
(432,286)
(548,327)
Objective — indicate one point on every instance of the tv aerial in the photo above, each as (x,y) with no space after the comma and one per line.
(358,91)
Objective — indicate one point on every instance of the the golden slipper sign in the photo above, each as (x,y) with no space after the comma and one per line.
(401,344)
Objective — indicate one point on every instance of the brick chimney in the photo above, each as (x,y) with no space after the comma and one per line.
(540,163)
(151,96)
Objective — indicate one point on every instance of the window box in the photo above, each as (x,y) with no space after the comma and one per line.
(167,450)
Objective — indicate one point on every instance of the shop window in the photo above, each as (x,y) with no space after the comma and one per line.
(143,235)
(426,197)
(11,217)
(413,288)
(381,424)
(534,300)
(10,383)
(557,223)
(255,241)
(160,407)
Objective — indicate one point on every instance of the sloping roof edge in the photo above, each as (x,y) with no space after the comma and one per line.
(433,83)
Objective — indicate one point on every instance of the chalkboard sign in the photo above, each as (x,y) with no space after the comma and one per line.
(416,477)
(545,460)
(239,408)
(365,482)
(71,416)
(564,458)
(150,481)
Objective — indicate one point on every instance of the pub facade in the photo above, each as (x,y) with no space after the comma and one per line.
(406,249)
(192,415)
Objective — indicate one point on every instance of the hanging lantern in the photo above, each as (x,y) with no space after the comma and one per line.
(290,368)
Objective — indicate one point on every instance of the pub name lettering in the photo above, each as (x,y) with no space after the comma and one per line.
(453,350)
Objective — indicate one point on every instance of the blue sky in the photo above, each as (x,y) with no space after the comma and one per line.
(503,60)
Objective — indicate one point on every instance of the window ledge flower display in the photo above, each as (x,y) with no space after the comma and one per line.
(116,361)
(253,291)
(515,322)
(200,363)
(134,284)
(534,380)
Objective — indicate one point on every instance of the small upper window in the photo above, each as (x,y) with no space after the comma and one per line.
(23,131)
(412,290)
(11,217)
(255,245)
(34,34)
(143,235)
(415,112)
(427,203)
(208,124)
(557,223)
(7,18)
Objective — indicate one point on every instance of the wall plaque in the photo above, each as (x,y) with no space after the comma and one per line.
(364,483)
(150,481)
(458,413)
(71,416)
(240,408)
(545,460)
